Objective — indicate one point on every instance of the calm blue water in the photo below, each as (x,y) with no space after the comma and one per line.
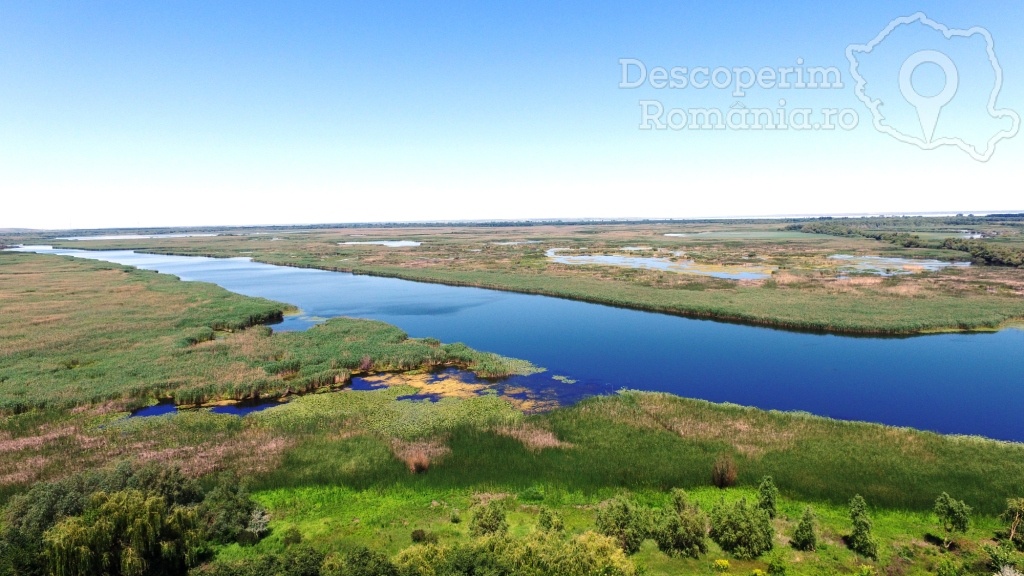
(950,383)
(241,409)
(160,409)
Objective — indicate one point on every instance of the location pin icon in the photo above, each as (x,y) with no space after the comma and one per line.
(929,107)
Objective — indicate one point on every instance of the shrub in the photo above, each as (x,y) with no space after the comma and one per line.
(948,568)
(805,537)
(226,511)
(723,472)
(860,540)
(359,562)
(954,516)
(489,519)
(166,481)
(1000,556)
(742,530)
(537,554)
(1014,518)
(583,555)
(550,521)
(291,536)
(259,522)
(683,529)
(532,494)
(777,565)
(768,496)
(721,565)
(298,561)
(624,521)
(420,536)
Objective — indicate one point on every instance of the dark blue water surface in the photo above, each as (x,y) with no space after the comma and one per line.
(161,409)
(240,409)
(950,383)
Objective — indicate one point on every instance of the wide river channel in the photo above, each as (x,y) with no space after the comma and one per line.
(949,383)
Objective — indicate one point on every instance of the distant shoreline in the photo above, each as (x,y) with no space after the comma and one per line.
(229,228)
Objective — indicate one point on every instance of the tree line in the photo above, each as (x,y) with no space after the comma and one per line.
(152,520)
(981,251)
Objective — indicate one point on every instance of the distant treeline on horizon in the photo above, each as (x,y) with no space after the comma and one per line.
(881,220)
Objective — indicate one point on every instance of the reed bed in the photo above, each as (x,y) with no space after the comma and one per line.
(80,332)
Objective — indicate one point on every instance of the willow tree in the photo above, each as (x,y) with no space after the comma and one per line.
(125,533)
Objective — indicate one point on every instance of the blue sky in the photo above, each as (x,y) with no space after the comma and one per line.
(196,113)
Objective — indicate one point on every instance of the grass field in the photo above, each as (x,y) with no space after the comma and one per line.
(807,290)
(83,341)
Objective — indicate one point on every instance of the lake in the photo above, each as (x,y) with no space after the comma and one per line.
(949,383)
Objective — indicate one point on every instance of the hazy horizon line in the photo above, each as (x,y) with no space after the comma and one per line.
(469,221)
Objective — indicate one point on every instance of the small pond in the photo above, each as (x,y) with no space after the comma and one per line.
(679,266)
(884,266)
(388,243)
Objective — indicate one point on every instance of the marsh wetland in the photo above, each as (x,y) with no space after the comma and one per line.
(949,383)
(388,397)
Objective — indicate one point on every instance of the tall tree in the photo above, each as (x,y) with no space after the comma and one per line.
(126,533)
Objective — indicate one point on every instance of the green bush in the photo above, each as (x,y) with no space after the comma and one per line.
(860,540)
(948,568)
(768,497)
(682,530)
(1000,556)
(298,561)
(532,494)
(954,516)
(805,537)
(550,521)
(489,519)
(1014,518)
(743,530)
(358,562)
(226,511)
(777,565)
(537,554)
(420,536)
(625,522)
(291,537)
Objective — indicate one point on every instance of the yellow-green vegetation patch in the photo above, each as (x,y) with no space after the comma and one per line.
(379,412)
